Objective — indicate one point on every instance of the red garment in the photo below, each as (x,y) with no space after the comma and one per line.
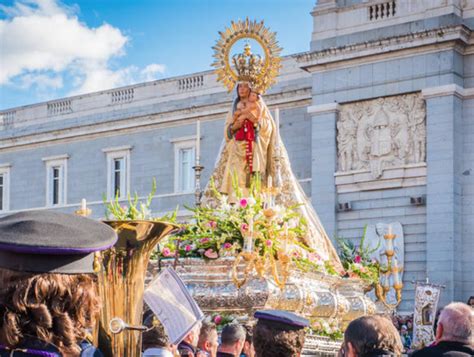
(247,133)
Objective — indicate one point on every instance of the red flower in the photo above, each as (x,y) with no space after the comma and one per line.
(357,259)
(217,319)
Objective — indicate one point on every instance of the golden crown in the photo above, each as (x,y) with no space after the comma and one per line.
(260,72)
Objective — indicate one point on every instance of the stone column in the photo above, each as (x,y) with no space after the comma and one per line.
(323,164)
(444,202)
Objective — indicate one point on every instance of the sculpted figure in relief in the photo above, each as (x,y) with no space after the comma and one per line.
(385,132)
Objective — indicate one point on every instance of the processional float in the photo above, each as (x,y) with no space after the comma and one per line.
(259,271)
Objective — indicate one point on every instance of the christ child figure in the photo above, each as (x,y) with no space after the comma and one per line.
(248,113)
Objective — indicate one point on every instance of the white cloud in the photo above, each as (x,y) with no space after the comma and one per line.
(153,71)
(43,40)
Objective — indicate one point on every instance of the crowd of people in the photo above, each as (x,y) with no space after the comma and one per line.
(282,334)
(48,302)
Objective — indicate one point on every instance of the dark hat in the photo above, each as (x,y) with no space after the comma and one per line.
(282,319)
(52,242)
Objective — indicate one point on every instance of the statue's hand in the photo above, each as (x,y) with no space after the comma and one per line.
(237,124)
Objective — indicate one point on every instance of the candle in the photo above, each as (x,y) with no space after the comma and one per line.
(83,205)
(389,229)
(277,126)
(389,246)
(198,141)
(248,245)
(396,278)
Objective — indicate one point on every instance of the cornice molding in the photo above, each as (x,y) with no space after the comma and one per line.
(449,89)
(310,60)
(324,108)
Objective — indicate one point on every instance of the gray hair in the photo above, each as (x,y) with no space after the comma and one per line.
(232,333)
(457,319)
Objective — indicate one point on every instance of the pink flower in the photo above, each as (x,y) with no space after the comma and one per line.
(211,254)
(244,227)
(212,224)
(166,252)
(188,248)
(227,245)
(313,256)
(204,240)
(296,254)
(244,202)
(357,259)
(217,319)
(268,243)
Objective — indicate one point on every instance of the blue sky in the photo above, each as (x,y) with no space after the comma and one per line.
(51,49)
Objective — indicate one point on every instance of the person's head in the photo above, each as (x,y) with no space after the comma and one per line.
(155,336)
(55,308)
(243,90)
(456,323)
(232,339)
(208,339)
(470,301)
(254,96)
(404,329)
(192,337)
(248,349)
(371,334)
(278,333)
(48,289)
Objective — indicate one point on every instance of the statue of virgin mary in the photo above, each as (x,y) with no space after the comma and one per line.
(252,145)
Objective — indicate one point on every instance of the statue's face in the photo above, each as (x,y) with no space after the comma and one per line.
(244,90)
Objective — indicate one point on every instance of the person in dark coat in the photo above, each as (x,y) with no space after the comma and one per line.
(232,341)
(188,346)
(48,298)
(454,334)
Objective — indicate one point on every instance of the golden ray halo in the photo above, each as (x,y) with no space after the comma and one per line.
(263,36)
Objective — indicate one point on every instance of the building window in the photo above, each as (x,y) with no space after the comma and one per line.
(118,172)
(4,187)
(184,162)
(56,180)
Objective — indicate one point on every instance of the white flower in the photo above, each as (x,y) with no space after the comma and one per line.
(251,201)
(293,223)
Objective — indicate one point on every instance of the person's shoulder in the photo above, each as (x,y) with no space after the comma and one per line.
(89,350)
(430,351)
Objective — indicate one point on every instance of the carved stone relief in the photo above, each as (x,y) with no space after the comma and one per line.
(384,132)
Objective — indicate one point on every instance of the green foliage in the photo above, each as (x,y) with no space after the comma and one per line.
(221,231)
(136,209)
(356,260)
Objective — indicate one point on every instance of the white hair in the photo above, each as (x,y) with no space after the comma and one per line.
(457,319)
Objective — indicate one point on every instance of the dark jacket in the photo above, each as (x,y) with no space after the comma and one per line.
(446,349)
(224,354)
(186,350)
(36,348)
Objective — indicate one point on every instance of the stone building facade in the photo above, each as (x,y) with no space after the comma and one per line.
(376,116)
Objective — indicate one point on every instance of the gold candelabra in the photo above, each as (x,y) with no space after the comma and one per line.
(275,265)
(393,270)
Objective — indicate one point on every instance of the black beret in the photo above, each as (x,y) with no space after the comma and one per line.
(52,242)
(282,319)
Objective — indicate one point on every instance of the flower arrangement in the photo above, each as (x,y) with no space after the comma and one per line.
(136,209)
(326,327)
(221,320)
(357,262)
(222,231)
